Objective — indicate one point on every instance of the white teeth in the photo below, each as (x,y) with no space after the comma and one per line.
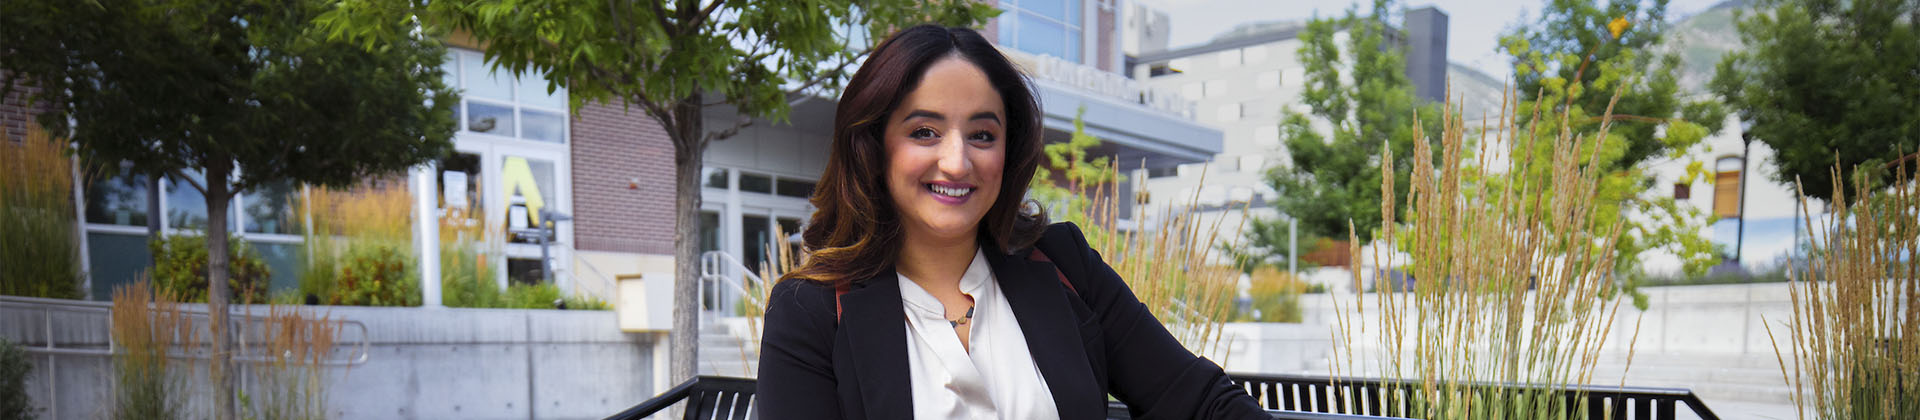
(949,191)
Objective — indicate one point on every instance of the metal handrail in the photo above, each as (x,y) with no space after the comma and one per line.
(606,282)
(711,265)
(48,307)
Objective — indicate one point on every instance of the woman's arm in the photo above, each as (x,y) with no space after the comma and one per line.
(796,353)
(1146,367)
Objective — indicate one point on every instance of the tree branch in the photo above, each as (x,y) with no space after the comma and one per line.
(176,173)
(712,136)
(701,18)
(660,15)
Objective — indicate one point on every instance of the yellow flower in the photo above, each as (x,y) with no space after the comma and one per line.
(1618,25)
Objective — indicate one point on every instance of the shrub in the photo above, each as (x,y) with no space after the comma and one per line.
(376,274)
(14,404)
(1275,296)
(180,268)
(354,252)
(40,255)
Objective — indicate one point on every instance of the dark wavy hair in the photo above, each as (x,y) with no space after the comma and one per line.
(855,231)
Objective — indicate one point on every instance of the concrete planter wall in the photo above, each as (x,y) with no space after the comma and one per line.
(420,363)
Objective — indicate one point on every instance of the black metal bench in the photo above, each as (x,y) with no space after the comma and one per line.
(1288,397)
(1383,398)
(707,397)
(718,397)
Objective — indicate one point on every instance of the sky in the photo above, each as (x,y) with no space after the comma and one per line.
(1475,26)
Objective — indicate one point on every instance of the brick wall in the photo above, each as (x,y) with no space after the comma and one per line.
(623,188)
(14,113)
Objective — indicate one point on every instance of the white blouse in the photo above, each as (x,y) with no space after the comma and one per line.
(997,380)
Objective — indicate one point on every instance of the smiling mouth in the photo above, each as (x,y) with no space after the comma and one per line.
(950,191)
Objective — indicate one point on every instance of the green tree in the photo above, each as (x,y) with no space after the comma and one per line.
(1331,181)
(244,92)
(1828,83)
(1576,63)
(674,60)
(1577,53)
(1069,198)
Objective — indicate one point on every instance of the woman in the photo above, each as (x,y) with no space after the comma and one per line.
(923,294)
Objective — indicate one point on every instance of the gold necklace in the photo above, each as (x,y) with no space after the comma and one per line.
(956,323)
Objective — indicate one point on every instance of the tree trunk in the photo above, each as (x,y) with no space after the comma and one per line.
(690,149)
(218,198)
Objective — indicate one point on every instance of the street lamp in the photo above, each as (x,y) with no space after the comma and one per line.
(1746,150)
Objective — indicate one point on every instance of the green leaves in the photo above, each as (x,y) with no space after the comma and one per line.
(1827,84)
(172,85)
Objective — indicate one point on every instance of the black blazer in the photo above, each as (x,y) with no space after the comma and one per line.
(1087,345)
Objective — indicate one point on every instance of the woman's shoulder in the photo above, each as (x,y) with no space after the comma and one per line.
(801,300)
(1062,240)
(1062,234)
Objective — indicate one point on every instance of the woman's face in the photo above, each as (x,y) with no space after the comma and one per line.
(946,146)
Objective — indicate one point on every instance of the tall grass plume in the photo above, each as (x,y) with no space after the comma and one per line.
(40,256)
(147,327)
(1507,278)
(1854,336)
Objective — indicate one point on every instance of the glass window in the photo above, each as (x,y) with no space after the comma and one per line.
(756,183)
(1180,64)
(715,177)
(283,264)
(1044,37)
(527,185)
(1056,9)
(532,90)
(709,231)
(795,188)
(120,200)
(450,70)
(755,234)
(480,81)
(1726,186)
(461,172)
(269,209)
(524,270)
(117,260)
(186,207)
(489,118)
(543,126)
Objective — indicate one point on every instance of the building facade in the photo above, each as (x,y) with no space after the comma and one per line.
(520,157)
(1243,83)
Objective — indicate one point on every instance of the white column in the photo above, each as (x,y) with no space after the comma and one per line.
(426,221)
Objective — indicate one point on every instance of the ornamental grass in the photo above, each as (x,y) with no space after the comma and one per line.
(1854,336)
(147,327)
(289,375)
(1489,279)
(40,256)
